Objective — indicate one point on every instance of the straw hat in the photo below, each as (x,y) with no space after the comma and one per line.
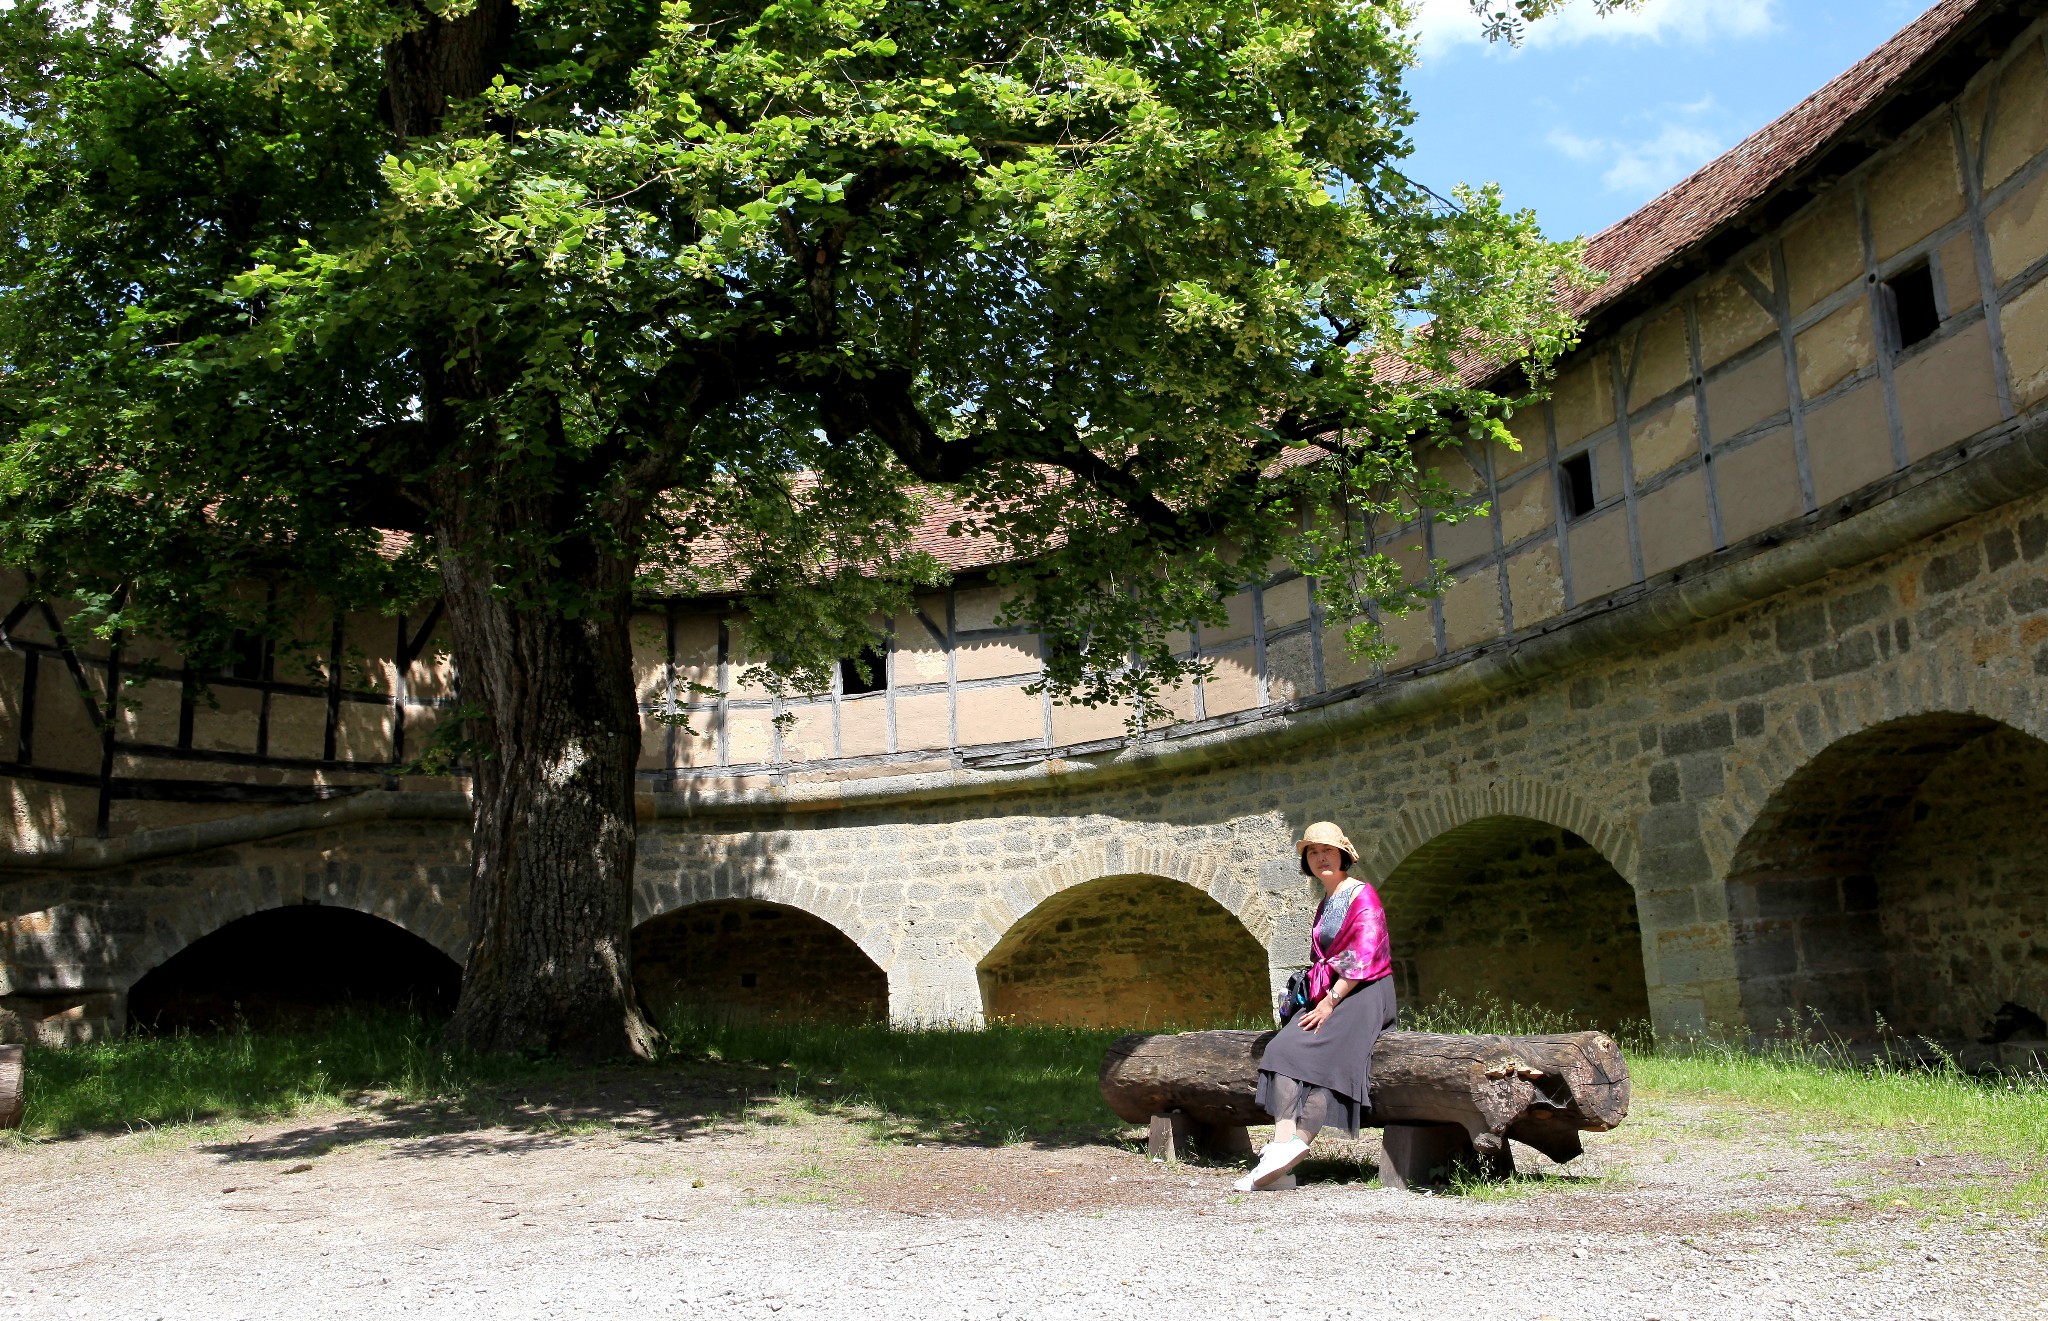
(1325,832)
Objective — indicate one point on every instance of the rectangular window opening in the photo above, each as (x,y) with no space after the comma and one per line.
(853,681)
(1575,476)
(748,980)
(1910,296)
(248,654)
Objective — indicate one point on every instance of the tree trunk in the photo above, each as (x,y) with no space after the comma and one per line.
(553,744)
(1543,1091)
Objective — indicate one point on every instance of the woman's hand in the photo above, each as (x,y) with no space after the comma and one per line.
(1319,1014)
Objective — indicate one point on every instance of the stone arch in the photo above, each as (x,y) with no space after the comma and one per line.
(288,964)
(710,874)
(1132,950)
(1022,895)
(751,959)
(1521,910)
(1448,809)
(1898,875)
(413,904)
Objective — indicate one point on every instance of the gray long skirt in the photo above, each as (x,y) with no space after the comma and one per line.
(1336,1057)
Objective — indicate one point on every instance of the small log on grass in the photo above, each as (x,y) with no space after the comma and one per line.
(1544,1091)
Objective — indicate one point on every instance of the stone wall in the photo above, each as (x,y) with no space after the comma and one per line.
(744,960)
(1522,911)
(1128,951)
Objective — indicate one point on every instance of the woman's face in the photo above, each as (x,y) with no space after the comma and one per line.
(1325,862)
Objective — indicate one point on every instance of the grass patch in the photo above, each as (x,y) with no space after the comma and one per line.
(1002,1083)
(144,1081)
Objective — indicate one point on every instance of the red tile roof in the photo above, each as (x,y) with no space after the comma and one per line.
(1718,192)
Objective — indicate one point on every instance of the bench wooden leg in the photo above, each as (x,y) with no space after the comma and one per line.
(1417,1155)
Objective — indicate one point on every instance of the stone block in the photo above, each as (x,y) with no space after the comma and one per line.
(1848,442)
(1711,731)
(1947,391)
(1847,656)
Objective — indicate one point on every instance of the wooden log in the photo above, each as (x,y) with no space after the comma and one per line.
(12,1086)
(1544,1091)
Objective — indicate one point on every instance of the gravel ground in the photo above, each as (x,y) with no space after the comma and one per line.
(1690,1211)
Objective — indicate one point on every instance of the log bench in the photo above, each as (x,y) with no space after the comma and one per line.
(1441,1101)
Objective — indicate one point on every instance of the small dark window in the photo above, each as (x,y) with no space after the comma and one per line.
(1575,475)
(1911,296)
(749,980)
(852,682)
(245,657)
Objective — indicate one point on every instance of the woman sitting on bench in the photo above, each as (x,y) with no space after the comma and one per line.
(1317,1072)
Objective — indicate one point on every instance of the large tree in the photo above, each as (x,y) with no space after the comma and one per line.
(540,306)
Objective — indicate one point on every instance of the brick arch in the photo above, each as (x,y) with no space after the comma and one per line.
(414,909)
(1016,900)
(1450,809)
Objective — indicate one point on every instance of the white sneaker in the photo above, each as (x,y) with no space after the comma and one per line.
(1276,1157)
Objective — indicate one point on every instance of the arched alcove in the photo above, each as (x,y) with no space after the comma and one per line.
(286,967)
(1901,875)
(1521,911)
(751,960)
(1127,951)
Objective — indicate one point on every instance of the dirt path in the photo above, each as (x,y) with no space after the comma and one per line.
(669,1206)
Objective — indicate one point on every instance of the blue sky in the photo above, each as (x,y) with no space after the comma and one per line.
(1591,117)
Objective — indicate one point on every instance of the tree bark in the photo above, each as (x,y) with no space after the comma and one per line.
(1543,1091)
(554,743)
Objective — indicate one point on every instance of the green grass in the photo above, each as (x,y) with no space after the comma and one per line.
(144,1081)
(1003,1083)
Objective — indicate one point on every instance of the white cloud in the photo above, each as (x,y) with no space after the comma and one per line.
(1644,166)
(1444,24)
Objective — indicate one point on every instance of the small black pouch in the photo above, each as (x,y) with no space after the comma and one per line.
(1295,998)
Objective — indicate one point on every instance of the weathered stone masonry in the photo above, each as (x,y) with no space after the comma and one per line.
(1765,708)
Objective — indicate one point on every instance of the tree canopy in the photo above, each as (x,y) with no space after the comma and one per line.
(730,289)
